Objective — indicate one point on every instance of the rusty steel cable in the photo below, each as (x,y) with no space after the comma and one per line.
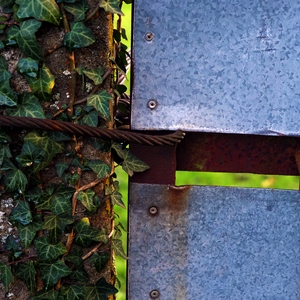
(84,130)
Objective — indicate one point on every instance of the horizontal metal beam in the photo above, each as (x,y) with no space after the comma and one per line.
(237,153)
(214,152)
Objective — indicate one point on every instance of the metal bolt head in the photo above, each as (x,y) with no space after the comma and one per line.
(154,294)
(152,104)
(149,36)
(153,210)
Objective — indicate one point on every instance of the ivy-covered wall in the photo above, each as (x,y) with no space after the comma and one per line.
(59,61)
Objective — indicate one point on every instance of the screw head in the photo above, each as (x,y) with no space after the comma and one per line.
(149,36)
(153,210)
(152,104)
(154,294)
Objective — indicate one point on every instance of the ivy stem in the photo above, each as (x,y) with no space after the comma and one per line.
(91,252)
(21,260)
(64,17)
(91,14)
(73,85)
(99,244)
(72,64)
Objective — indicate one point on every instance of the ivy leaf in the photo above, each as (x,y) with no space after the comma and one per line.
(77,9)
(112,6)
(26,40)
(56,225)
(75,257)
(33,194)
(118,248)
(8,96)
(130,163)
(44,10)
(99,260)
(100,102)
(21,213)
(45,295)
(100,235)
(116,199)
(85,234)
(12,245)
(100,291)
(28,232)
(11,35)
(15,180)
(8,165)
(61,168)
(5,275)
(43,142)
(4,75)
(80,36)
(48,252)
(98,166)
(4,137)
(43,83)
(29,107)
(86,198)
(57,200)
(91,119)
(73,292)
(79,275)
(30,155)
(28,66)
(7,3)
(4,153)
(26,272)
(60,136)
(95,75)
(52,272)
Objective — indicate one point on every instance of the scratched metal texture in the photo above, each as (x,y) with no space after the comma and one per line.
(227,66)
(213,243)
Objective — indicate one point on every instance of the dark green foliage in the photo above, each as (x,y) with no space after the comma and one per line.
(43,212)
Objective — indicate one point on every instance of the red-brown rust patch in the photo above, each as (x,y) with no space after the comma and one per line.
(177,198)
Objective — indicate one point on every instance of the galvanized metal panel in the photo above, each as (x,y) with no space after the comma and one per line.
(217,66)
(213,243)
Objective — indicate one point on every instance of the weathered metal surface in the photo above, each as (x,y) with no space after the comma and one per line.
(213,152)
(213,243)
(229,66)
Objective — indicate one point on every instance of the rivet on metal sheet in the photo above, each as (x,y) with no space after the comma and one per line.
(149,36)
(152,104)
(154,294)
(153,210)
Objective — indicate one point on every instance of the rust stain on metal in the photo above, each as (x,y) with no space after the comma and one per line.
(177,198)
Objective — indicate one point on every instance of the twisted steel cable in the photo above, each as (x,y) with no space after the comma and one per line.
(114,134)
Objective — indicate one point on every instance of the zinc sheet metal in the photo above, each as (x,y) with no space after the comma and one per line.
(213,243)
(229,66)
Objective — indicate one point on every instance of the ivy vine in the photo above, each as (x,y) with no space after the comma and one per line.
(53,240)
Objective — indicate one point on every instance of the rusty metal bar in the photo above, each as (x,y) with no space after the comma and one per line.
(213,152)
(162,162)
